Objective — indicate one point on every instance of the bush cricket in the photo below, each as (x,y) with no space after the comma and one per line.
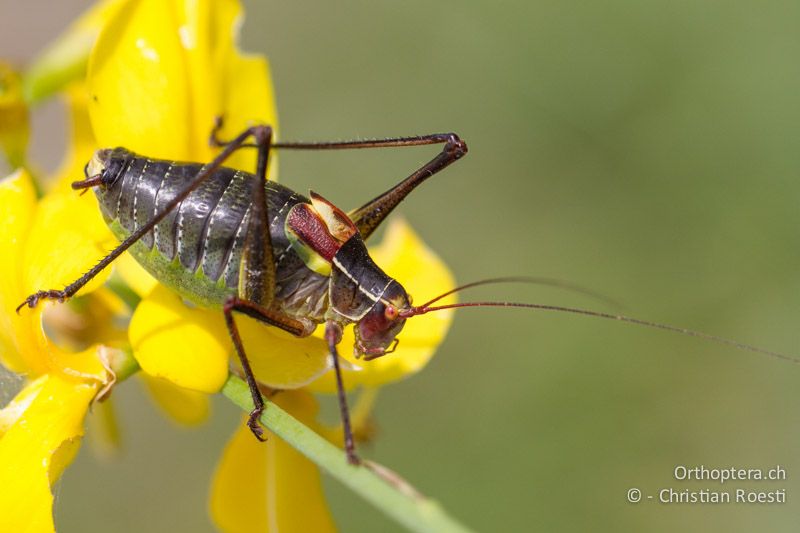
(227,239)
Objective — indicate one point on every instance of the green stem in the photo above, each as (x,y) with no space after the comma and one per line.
(413,512)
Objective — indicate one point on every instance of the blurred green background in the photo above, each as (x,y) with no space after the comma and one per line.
(649,150)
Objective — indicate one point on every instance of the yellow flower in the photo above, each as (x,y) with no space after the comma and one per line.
(40,429)
(158,75)
(287,497)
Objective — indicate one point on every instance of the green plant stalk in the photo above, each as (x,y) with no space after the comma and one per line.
(414,512)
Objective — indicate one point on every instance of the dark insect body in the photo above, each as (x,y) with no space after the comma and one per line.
(232,240)
(229,239)
(197,249)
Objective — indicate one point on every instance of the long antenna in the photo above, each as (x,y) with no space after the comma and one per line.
(549,282)
(421,310)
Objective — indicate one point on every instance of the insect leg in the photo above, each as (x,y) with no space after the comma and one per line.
(333,334)
(369,216)
(257,277)
(269,317)
(390,142)
(70,290)
(257,267)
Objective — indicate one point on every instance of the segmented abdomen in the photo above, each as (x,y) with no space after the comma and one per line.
(205,234)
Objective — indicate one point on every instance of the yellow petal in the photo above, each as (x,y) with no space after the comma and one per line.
(268,486)
(97,318)
(404,256)
(48,245)
(17,209)
(185,406)
(67,238)
(244,105)
(160,73)
(187,346)
(190,346)
(36,448)
(17,406)
(279,359)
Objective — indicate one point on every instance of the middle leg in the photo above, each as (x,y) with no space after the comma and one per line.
(267,316)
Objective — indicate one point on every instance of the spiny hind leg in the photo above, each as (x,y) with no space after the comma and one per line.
(369,216)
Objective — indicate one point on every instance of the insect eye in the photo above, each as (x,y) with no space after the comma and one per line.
(390,312)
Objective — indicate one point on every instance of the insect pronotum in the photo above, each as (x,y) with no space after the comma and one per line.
(228,239)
